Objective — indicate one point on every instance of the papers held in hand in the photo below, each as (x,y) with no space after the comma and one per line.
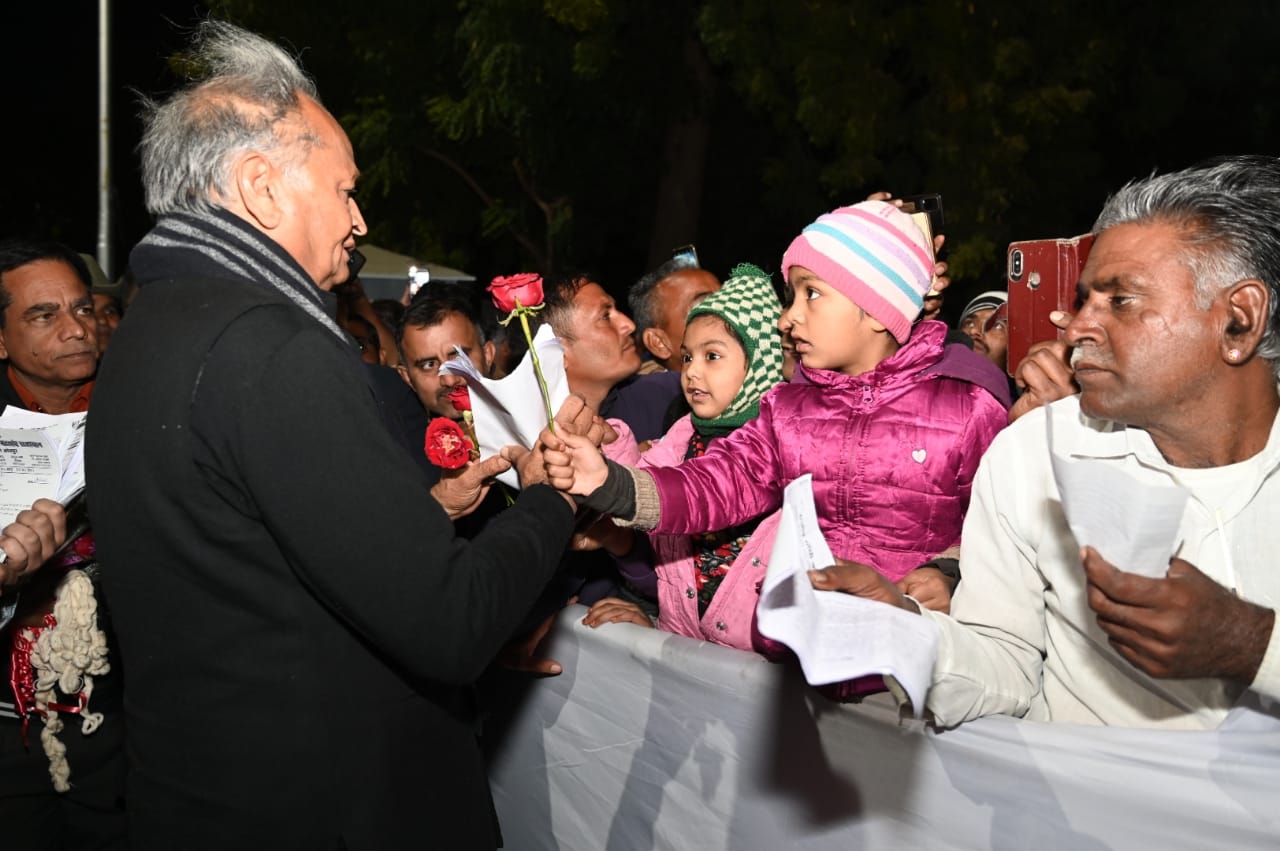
(41,457)
(1132,524)
(509,411)
(838,636)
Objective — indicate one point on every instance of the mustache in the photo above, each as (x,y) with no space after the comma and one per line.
(1076,355)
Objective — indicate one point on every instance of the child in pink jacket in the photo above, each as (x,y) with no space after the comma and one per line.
(878,413)
(708,584)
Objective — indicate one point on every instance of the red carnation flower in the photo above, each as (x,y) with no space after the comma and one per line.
(525,288)
(447,445)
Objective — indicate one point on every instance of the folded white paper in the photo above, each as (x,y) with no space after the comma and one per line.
(509,411)
(837,636)
(1133,525)
(41,456)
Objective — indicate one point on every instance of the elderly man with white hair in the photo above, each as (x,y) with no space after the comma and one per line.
(299,623)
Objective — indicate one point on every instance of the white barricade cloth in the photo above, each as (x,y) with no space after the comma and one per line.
(655,741)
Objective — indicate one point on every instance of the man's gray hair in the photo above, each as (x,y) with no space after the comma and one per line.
(640,296)
(1228,210)
(244,86)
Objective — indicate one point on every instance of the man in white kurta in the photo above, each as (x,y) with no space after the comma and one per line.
(1022,639)
(1175,348)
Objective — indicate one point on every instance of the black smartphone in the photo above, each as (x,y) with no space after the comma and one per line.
(686,254)
(926,210)
(355,262)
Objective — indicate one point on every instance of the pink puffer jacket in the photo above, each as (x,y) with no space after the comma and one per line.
(893,453)
(730,617)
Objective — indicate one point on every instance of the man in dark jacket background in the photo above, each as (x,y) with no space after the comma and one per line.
(298,620)
(49,357)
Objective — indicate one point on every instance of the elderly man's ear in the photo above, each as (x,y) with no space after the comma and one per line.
(655,340)
(1247,308)
(256,182)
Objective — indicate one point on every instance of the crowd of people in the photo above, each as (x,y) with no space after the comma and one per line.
(269,636)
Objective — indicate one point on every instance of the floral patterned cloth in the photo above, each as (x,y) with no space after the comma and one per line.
(22,677)
(713,552)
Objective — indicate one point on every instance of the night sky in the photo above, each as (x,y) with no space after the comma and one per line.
(51,115)
(51,140)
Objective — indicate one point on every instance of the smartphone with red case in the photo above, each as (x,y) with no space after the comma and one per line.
(1042,279)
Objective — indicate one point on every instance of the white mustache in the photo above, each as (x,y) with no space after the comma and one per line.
(1076,354)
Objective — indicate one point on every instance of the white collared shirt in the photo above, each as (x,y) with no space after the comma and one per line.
(1022,639)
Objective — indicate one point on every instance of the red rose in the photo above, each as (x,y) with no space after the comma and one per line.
(525,288)
(460,398)
(447,445)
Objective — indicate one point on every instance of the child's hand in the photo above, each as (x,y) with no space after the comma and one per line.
(930,587)
(613,610)
(573,462)
(849,577)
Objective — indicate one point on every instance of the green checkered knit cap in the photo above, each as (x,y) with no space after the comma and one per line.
(748,304)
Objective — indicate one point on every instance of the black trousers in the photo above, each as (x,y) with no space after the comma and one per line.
(89,816)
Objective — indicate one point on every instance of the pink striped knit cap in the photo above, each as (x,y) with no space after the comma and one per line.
(873,254)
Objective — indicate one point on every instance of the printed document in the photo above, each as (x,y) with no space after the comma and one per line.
(838,636)
(1133,525)
(41,457)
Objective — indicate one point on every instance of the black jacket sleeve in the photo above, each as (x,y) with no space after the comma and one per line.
(295,424)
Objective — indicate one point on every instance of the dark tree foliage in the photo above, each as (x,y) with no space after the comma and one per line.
(502,135)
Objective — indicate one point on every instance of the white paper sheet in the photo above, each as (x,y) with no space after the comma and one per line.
(509,411)
(837,636)
(41,456)
(1132,525)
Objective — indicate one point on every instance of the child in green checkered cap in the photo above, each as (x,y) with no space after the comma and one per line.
(731,355)
(734,353)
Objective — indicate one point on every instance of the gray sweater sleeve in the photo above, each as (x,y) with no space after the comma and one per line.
(629,496)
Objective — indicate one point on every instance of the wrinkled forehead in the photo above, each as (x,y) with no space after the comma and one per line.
(591,298)
(43,280)
(322,127)
(451,329)
(679,292)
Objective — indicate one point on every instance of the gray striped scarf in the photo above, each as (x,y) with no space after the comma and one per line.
(218,244)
